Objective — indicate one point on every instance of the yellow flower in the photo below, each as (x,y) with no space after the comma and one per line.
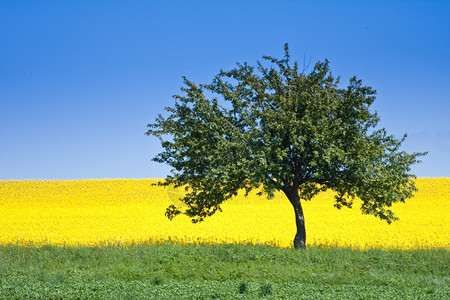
(127,212)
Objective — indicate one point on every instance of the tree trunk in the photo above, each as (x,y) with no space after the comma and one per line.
(300,237)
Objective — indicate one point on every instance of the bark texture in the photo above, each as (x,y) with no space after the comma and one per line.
(300,236)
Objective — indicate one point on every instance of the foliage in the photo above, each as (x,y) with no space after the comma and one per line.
(243,287)
(279,128)
(317,273)
(266,288)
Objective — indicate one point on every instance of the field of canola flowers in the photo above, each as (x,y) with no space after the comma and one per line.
(131,211)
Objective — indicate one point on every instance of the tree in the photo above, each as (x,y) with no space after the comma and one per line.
(276,128)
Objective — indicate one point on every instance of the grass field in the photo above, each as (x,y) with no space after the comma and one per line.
(170,271)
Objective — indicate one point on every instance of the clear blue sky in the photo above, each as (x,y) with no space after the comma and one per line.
(80,80)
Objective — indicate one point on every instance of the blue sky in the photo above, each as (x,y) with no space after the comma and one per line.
(80,80)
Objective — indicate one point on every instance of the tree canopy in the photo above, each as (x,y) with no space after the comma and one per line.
(275,127)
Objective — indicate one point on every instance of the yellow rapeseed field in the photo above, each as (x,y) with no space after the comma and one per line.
(125,212)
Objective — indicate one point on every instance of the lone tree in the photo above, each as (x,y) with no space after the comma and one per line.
(278,128)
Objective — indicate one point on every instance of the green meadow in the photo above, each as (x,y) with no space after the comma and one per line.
(171,271)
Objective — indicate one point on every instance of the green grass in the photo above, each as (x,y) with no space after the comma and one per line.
(221,272)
